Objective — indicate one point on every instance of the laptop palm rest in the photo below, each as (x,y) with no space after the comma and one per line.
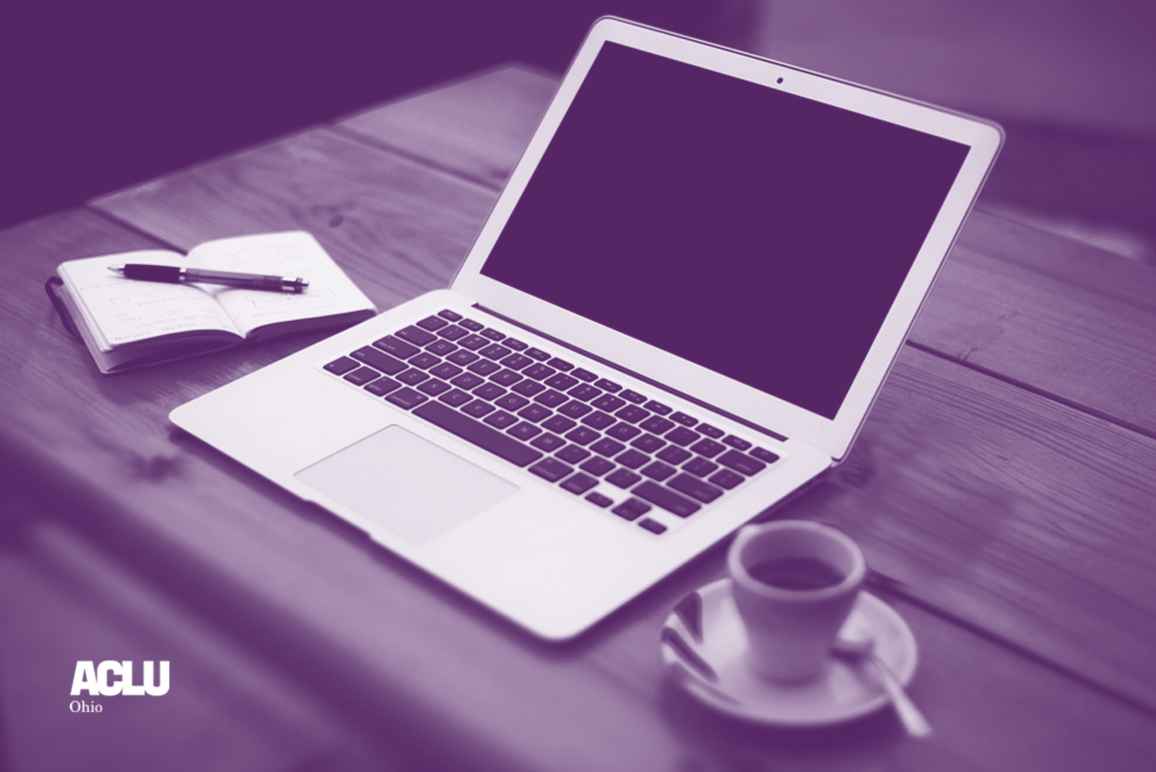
(405,485)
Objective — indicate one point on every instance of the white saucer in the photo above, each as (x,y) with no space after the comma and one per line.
(704,645)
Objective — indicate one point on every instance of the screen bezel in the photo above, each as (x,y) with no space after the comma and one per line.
(833,436)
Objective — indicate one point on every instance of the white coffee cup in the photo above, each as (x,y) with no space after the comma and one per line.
(795,582)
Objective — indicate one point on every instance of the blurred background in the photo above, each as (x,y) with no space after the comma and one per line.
(97,96)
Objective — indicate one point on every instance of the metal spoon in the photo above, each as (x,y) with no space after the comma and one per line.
(859,650)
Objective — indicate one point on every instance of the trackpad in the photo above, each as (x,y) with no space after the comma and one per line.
(405,485)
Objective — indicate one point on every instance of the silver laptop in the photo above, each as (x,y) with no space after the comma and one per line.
(678,312)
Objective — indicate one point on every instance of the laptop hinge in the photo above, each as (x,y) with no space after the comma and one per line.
(633,374)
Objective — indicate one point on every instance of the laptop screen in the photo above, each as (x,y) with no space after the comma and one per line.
(757,233)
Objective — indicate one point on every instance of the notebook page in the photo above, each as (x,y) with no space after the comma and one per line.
(124,310)
(292,253)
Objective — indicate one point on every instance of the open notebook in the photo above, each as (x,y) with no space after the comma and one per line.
(127,323)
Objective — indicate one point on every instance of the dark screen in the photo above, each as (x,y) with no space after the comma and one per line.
(754,232)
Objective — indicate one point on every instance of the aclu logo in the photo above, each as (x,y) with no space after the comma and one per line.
(116,678)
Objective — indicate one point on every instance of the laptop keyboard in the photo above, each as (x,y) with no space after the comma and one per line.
(568,425)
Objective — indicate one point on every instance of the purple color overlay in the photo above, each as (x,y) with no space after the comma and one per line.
(642,214)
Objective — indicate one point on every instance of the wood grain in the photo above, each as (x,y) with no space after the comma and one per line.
(1032,307)
(411,664)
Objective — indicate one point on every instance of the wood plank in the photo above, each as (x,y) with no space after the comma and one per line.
(1033,307)
(1016,512)
(304,588)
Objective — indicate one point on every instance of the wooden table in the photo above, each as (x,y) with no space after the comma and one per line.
(1004,480)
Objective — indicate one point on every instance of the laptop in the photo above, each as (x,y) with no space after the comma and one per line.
(677,314)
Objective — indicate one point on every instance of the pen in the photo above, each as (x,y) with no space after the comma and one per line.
(175,274)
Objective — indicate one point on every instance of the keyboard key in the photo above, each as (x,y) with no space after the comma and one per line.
(382,386)
(455,397)
(631,509)
(741,462)
(551,398)
(699,466)
(561,381)
(453,332)
(433,387)
(467,381)
(424,361)
(575,409)
(683,418)
(657,407)
(632,459)
(524,431)
(478,408)
(551,469)
(528,388)
(647,443)
(379,360)
(341,365)
(607,447)
(608,402)
(694,487)
(632,396)
(599,500)
(598,420)
(490,391)
(584,391)
(453,316)
(534,413)
(666,498)
(462,357)
(607,385)
(623,431)
(597,466)
(407,398)
(495,351)
(672,454)
(581,435)
(560,364)
(538,354)
(708,447)
(579,483)
(762,454)
(514,343)
(445,371)
(516,361)
(572,454)
(493,334)
(726,478)
(657,425)
(484,367)
(473,342)
(539,372)
(560,424)
(500,419)
(680,435)
(505,377)
(441,347)
(657,470)
(511,402)
(632,413)
(471,325)
(399,348)
(653,526)
(736,442)
(362,376)
(483,436)
(623,478)
(548,442)
(584,375)
(413,377)
(711,431)
(416,335)
(432,323)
